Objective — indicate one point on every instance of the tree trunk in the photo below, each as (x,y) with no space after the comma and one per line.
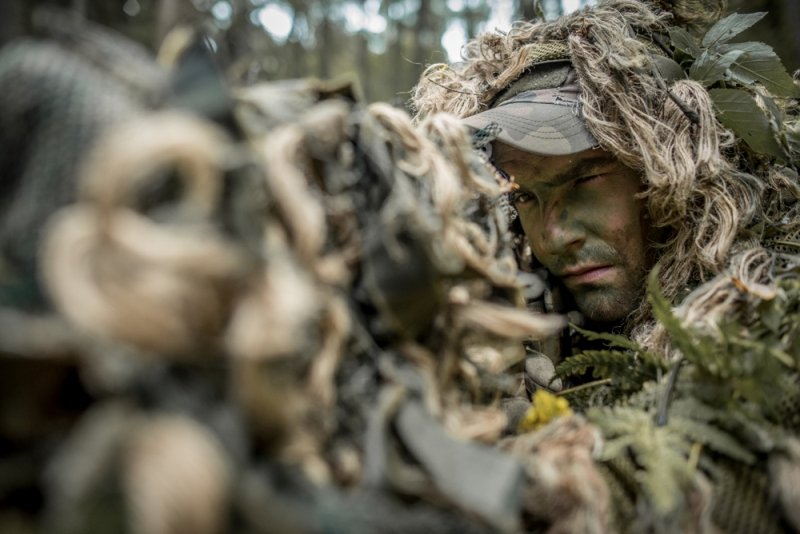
(396,57)
(527,9)
(297,63)
(424,32)
(12,21)
(325,44)
(791,11)
(363,64)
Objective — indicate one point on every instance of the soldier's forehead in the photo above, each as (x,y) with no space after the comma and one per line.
(507,154)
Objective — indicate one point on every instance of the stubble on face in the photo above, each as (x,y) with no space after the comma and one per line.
(581,222)
(610,302)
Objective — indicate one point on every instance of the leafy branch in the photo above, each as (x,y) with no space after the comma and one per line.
(744,81)
(724,401)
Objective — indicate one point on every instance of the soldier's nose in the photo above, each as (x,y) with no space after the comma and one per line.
(561,232)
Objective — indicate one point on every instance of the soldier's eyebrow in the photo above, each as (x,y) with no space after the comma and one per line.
(582,169)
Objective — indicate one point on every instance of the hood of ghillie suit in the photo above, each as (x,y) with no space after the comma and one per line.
(696,191)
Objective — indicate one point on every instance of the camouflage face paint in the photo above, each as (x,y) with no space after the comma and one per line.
(585,225)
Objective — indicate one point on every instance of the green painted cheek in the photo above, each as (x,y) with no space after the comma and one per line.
(600,211)
(534,231)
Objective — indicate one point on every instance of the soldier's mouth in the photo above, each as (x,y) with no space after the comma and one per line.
(587,274)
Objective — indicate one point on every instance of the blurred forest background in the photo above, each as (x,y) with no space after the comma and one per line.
(384,43)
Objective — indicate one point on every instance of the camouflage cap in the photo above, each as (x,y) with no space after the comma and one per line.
(540,112)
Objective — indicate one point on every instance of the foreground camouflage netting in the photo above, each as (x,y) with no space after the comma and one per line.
(299,316)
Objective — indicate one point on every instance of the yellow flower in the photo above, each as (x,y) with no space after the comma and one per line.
(545,408)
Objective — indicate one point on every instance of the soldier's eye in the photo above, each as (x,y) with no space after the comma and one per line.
(521,198)
(586,179)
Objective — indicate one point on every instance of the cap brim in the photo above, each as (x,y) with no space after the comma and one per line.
(540,128)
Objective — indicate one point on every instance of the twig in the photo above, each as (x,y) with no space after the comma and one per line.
(694,456)
(683,106)
(587,385)
(450,88)
(663,401)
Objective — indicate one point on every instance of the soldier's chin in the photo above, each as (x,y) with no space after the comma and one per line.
(604,306)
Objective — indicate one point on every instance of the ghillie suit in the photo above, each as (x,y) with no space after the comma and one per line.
(724,188)
(298,317)
(698,187)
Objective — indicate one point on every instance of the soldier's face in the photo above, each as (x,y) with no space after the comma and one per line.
(585,225)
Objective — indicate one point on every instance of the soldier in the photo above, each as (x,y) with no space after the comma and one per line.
(620,171)
(615,159)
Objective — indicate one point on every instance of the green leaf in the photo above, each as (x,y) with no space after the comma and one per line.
(747,47)
(614,340)
(771,316)
(691,407)
(729,27)
(737,110)
(774,114)
(793,136)
(762,65)
(684,41)
(717,439)
(681,338)
(614,448)
(659,451)
(604,362)
(711,67)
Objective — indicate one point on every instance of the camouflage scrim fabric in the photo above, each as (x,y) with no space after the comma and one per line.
(299,316)
(49,86)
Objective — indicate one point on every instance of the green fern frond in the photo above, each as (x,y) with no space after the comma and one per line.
(660,452)
(616,447)
(604,362)
(652,361)
(711,436)
(598,393)
(665,474)
(691,407)
(614,340)
(627,370)
(695,349)
(726,396)
(617,421)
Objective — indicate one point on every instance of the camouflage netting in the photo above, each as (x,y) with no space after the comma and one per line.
(302,321)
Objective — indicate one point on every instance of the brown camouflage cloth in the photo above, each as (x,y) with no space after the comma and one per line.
(269,309)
